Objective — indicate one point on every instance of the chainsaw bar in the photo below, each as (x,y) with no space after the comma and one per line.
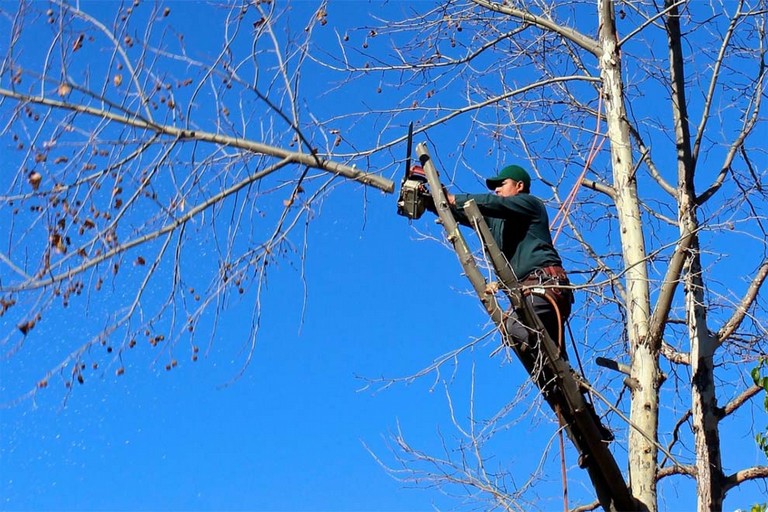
(408,151)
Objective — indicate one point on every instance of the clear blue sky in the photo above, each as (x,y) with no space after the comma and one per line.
(296,431)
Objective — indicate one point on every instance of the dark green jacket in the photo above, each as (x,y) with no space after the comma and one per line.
(520,226)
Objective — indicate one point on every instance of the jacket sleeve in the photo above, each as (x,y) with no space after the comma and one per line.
(491,205)
(458,212)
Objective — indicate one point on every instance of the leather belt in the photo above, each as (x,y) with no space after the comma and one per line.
(543,273)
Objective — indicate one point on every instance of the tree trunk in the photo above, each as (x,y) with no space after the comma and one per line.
(709,476)
(644,358)
(706,433)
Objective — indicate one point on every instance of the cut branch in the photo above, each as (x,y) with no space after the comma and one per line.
(599,187)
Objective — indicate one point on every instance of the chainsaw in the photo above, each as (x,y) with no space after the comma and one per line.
(413,188)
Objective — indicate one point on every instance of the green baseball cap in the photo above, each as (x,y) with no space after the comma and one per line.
(510,172)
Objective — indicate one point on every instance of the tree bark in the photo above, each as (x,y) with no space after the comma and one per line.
(709,476)
(643,452)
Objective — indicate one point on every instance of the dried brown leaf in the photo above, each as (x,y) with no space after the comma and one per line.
(78,42)
(26,327)
(34,179)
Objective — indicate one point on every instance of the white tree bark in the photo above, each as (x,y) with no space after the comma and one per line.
(644,358)
(709,476)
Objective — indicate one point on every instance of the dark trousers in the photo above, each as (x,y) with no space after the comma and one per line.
(522,335)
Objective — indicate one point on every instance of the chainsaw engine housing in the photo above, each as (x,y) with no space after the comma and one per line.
(410,203)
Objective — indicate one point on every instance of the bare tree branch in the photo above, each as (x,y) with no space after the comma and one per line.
(740,313)
(714,80)
(687,470)
(646,151)
(429,63)
(750,121)
(180,221)
(658,320)
(649,21)
(586,508)
(745,475)
(315,160)
(740,400)
(676,434)
(574,36)
(673,355)
(599,187)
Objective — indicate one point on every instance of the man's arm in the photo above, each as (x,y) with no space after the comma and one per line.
(458,212)
(491,205)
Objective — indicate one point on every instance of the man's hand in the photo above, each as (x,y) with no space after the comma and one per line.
(427,200)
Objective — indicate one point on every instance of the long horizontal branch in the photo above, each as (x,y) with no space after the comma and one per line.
(734,322)
(744,475)
(587,43)
(310,160)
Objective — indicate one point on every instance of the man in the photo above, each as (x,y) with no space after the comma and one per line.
(520,226)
